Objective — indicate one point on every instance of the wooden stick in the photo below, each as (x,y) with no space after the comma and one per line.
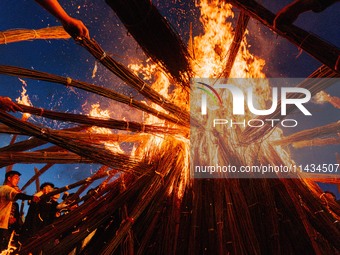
(181,119)
(34,177)
(100,155)
(241,26)
(309,134)
(7,130)
(42,157)
(317,142)
(101,122)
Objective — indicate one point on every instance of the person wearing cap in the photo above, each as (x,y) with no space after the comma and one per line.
(9,192)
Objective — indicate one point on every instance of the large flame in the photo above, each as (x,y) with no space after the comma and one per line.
(210,51)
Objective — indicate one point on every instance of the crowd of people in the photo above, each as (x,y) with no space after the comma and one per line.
(43,210)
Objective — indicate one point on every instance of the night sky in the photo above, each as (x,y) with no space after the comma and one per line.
(66,58)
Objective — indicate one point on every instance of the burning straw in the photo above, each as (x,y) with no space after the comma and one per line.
(18,35)
(132,80)
(102,122)
(140,194)
(182,116)
(240,29)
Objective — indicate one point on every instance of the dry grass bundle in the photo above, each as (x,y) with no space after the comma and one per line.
(181,117)
(95,138)
(156,36)
(23,145)
(132,80)
(82,182)
(97,154)
(18,35)
(299,37)
(101,122)
(168,213)
(313,85)
(83,187)
(34,142)
(140,193)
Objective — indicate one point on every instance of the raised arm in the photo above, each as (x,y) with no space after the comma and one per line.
(74,27)
(290,13)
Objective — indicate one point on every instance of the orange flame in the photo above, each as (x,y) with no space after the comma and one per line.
(24,99)
(97,112)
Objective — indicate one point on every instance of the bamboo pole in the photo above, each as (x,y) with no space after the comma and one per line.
(324,178)
(316,142)
(80,183)
(94,138)
(182,117)
(299,37)
(34,177)
(18,35)
(23,145)
(37,180)
(241,26)
(7,130)
(131,79)
(329,129)
(102,122)
(34,142)
(100,171)
(42,157)
(100,155)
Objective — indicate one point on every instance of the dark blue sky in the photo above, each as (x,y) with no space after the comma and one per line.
(64,57)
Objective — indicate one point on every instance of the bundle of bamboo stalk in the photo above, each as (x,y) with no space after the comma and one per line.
(18,35)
